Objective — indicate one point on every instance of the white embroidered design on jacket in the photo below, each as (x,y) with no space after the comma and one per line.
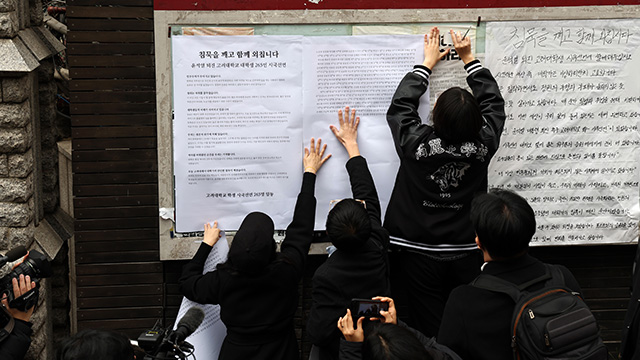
(449,175)
(468,148)
(482,152)
(421,151)
(436,147)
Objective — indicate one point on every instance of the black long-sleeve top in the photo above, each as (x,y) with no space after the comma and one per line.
(347,275)
(16,345)
(258,309)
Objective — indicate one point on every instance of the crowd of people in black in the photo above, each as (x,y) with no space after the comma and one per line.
(442,228)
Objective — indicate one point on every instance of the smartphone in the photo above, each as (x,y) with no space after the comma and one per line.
(367,308)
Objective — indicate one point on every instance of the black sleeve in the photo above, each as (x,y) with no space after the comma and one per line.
(350,350)
(195,286)
(16,345)
(299,235)
(325,311)
(452,332)
(406,126)
(486,91)
(363,187)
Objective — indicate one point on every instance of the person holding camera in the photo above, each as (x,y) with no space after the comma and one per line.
(359,267)
(390,339)
(16,334)
(257,288)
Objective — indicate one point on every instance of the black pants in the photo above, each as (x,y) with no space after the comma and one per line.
(421,284)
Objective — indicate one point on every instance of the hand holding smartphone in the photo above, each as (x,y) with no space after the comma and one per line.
(368,308)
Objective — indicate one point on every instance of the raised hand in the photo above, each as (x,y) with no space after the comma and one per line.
(347,134)
(211,233)
(432,52)
(313,156)
(463,46)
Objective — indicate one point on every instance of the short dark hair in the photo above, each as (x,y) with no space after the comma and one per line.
(393,342)
(95,345)
(504,223)
(457,116)
(348,225)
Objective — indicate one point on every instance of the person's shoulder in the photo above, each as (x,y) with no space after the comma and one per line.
(569,279)
(462,294)
(324,271)
(464,289)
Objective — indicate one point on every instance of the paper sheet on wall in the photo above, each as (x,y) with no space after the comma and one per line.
(571,140)
(449,71)
(237,138)
(360,72)
(208,338)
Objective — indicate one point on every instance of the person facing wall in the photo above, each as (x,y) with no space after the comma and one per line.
(257,288)
(441,168)
(359,267)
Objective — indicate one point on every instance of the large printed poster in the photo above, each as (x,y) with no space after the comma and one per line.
(571,140)
(237,128)
(245,107)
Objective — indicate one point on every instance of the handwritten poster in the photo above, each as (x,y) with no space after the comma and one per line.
(571,140)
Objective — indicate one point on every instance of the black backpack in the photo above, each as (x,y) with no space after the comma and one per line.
(550,323)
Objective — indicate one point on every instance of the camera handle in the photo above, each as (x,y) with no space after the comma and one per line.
(27,300)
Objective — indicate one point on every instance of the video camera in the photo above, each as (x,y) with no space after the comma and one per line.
(164,344)
(35,265)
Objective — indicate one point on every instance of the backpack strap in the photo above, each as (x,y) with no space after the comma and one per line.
(494,283)
(557,277)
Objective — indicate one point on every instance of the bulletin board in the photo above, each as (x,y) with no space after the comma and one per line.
(171,19)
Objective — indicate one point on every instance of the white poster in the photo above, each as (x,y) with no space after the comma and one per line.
(239,110)
(361,72)
(571,141)
(237,132)
(449,72)
(207,339)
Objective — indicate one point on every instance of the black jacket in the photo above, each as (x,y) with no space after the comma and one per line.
(16,345)
(348,275)
(436,181)
(476,322)
(258,310)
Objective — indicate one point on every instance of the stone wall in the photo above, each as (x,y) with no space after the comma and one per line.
(28,157)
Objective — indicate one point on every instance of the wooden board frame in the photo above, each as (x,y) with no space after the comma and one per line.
(173,248)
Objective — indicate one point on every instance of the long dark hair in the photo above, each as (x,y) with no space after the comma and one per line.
(393,342)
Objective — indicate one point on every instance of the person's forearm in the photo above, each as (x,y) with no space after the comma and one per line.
(352,149)
(467,58)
